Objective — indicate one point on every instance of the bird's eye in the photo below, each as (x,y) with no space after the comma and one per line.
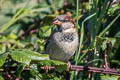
(58,29)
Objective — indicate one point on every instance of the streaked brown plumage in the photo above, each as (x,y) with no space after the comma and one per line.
(63,41)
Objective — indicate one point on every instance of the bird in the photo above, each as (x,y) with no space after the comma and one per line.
(63,41)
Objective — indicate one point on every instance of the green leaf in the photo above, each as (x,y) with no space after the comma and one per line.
(47,23)
(112,41)
(20,69)
(48,76)
(13,20)
(45,31)
(114,9)
(34,55)
(51,63)
(104,41)
(1,78)
(3,58)
(107,77)
(2,48)
(116,62)
(19,56)
(61,68)
(104,46)
(60,3)
(25,56)
(99,40)
(117,34)
(34,72)
(12,36)
(48,20)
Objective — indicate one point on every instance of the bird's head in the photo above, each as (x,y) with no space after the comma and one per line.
(64,23)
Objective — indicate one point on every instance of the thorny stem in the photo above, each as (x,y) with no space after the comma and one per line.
(85,68)
(106,66)
(106,62)
(93,70)
(96,70)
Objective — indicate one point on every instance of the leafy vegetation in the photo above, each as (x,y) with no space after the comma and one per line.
(25,26)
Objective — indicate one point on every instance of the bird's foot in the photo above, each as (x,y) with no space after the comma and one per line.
(68,65)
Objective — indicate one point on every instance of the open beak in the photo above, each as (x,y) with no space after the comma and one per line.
(57,22)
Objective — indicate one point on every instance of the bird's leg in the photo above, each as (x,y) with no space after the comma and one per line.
(67,73)
(69,65)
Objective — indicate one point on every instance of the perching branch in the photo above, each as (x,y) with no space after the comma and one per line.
(95,70)
(107,71)
(84,68)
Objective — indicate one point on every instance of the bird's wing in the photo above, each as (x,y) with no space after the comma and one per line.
(48,41)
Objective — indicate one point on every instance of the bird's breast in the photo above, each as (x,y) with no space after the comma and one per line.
(65,45)
(68,42)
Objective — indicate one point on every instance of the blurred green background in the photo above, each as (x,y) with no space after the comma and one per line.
(26,25)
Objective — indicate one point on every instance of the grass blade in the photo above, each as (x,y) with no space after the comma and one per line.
(109,26)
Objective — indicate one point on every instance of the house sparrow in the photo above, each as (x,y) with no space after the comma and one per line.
(63,41)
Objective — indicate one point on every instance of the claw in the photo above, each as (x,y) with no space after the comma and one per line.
(68,65)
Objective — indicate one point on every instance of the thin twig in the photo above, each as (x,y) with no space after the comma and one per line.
(105,58)
(115,2)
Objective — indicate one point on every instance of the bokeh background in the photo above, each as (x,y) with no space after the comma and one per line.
(27,24)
